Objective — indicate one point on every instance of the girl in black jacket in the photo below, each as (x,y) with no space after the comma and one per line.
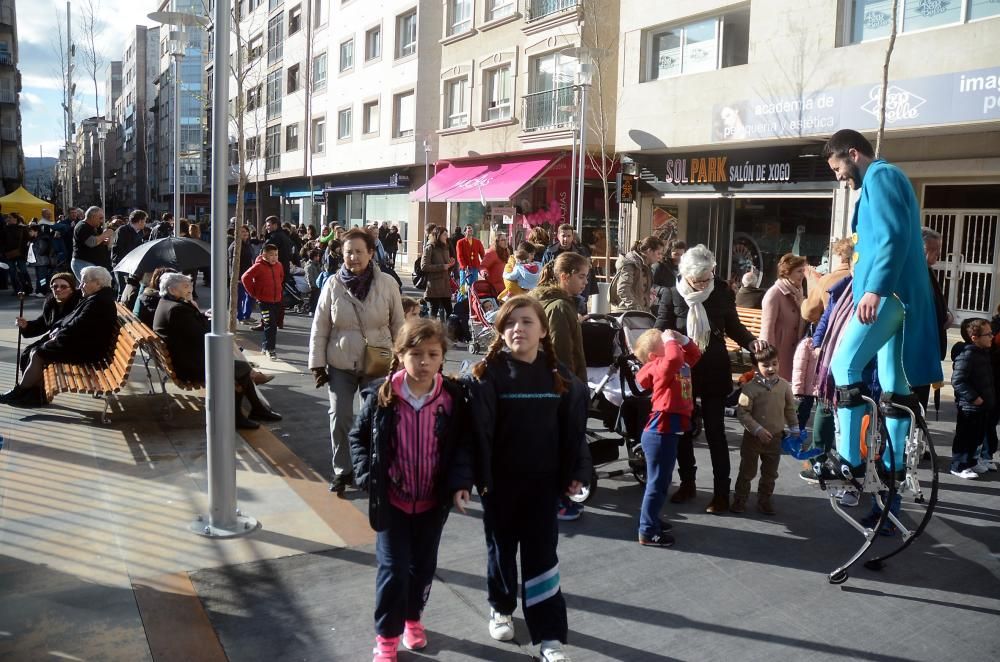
(699,287)
(402,448)
(532,415)
(60,303)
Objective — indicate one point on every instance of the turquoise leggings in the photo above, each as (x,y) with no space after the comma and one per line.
(859,343)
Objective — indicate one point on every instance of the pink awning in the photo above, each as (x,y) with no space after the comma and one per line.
(494,181)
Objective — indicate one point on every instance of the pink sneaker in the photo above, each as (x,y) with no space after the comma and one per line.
(414,637)
(385,649)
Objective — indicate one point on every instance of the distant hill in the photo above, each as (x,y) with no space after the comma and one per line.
(38,174)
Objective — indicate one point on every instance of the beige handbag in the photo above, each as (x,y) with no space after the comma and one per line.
(377,359)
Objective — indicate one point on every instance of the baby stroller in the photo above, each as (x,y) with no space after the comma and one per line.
(293,296)
(483,306)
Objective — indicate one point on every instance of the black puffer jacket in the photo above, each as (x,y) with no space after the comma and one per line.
(972,378)
(711,376)
(372,441)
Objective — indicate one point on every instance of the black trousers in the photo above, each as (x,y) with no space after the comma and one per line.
(441,308)
(713,412)
(523,514)
(406,554)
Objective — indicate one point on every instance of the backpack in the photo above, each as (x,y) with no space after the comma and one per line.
(613,297)
(419,278)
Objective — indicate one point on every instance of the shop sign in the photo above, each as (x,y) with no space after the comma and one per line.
(965,96)
(626,188)
(399,180)
(719,170)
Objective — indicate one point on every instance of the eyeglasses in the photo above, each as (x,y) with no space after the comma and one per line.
(62,286)
(988,334)
(704,281)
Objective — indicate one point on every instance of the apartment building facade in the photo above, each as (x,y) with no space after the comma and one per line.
(509,98)
(11,153)
(725,106)
(113,151)
(87,162)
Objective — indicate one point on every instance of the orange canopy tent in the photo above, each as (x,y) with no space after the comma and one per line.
(27,205)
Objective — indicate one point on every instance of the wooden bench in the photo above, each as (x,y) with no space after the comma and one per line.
(739,358)
(103,379)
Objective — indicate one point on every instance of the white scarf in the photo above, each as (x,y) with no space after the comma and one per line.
(698,327)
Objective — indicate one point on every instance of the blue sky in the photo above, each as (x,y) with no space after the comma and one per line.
(41,93)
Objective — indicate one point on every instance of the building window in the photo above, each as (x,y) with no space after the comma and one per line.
(497,92)
(403,114)
(253,147)
(291,137)
(255,48)
(253,98)
(347,55)
(497,9)
(293,79)
(456,110)
(370,117)
(319,135)
(406,34)
(274,94)
(459,16)
(319,72)
(273,4)
(294,20)
(870,19)
(551,97)
(373,44)
(275,38)
(272,149)
(344,124)
(705,45)
(319,18)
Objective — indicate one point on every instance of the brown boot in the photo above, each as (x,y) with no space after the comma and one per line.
(685,492)
(719,504)
(764,504)
(739,505)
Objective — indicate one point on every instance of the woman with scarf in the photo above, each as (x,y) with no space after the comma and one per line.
(703,307)
(781,322)
(359,306)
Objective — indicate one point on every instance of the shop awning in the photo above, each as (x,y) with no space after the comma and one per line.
(493,181)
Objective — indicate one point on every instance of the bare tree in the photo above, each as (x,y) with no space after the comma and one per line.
(885,80)
(91,27)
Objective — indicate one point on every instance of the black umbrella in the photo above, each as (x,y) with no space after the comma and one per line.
(180,253)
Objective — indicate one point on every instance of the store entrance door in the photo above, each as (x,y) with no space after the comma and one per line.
(967,268)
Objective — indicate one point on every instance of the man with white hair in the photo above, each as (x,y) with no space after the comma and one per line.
(91,243)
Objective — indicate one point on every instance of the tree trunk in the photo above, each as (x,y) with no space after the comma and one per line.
(885,82)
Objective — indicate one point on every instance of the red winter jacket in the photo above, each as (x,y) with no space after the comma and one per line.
(669,375)
(263,280)
(469,253)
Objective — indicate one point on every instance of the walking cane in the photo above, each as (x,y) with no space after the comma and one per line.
(17,372)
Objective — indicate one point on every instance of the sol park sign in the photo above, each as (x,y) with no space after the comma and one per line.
(718,170)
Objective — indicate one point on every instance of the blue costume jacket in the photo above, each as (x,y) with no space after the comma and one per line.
(889,260)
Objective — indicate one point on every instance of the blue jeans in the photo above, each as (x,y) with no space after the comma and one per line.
(244,303)
(77,265)
(859,343)
(467,277)
(661,453)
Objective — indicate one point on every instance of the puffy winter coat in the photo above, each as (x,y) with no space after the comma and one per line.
(336,338)
(633,283)
(434,265)
(492,269)
(781,324)
(564,328)
(712,375)
(263,281)
(972,378)
(804,368)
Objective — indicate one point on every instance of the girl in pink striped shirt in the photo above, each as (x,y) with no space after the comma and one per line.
(402,448)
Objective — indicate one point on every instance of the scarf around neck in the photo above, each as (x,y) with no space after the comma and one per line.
(698,326)
(788,287)
(357,284)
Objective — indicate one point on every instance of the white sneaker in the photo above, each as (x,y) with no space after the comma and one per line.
(965,473)
(501,626)
(849,498)
(993,466)
(982,466)
(552,651)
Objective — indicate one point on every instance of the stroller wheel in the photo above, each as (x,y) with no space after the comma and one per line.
(473,348)
(640,475)
(587,491)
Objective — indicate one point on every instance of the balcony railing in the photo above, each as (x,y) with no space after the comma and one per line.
(8,133)
(8,96)
(7,59)
(550,109)
(538,9)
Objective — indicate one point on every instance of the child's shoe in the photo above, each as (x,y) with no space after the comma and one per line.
(501,626)
(764,505)
(849,498)
(414,636)
(739,505)
(552,651)
(385,649)
(662,539)
(982,466)
(968,474)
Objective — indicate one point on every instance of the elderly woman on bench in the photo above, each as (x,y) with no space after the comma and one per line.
(183,327)
(87,335)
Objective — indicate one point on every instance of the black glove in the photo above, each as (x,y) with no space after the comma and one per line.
(321,376)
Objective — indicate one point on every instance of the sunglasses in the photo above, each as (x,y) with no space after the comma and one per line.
(61,287)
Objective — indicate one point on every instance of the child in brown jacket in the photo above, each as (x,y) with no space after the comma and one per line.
(766,410)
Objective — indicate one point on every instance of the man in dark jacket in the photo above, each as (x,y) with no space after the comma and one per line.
(566,243)
(15,253)
(276,235)
(127,237)
(163,229)
(750,296)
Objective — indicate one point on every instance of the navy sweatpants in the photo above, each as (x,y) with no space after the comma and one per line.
(406,554)
(523,514)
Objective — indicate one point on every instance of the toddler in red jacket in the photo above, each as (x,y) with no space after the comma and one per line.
(667,357)
(263,281)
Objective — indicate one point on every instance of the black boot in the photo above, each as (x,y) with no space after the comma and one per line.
(15,393)
(242,422)
(30,398)
(258,410)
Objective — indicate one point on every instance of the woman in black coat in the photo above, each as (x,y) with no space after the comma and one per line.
(87,335)
(711,377)
(61,302)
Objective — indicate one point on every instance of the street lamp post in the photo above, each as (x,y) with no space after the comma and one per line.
(176,46)
(585,73)
(223,520)
(102,134)
(427,180)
